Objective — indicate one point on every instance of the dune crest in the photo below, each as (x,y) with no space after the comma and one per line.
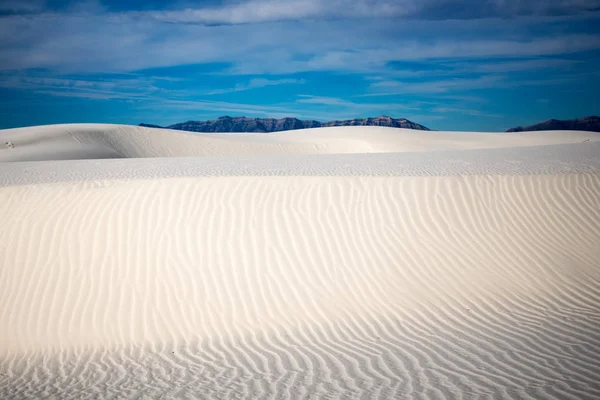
(102,141)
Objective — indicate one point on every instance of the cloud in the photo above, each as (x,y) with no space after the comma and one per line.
(294,109)
(463,111)
(130,41)
(348,109)
(502,48)
(392,87)
(454,85)
(85,7)
(141,88)
(21,6)
(258,83)
(376,59)
(143,91)
(259,11)
(329,101)
(35,82)
(513,66)
(238,108)
(338,102)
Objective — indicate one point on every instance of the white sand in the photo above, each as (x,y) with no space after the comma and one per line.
(90,141)
(459,265)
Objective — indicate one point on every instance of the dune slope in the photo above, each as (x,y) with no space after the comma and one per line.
(255,277)
(101,141)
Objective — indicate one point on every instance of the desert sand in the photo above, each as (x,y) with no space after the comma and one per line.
(342,263)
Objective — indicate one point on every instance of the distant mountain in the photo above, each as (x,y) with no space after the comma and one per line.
(150,126)
(580,124)
(243,124)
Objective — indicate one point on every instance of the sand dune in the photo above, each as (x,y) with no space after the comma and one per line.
(101,141)
(470,272)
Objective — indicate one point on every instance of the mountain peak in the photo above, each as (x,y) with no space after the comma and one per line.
(591,123)
(243,124)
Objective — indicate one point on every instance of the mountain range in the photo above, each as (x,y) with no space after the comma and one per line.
(244,124)
(591,123)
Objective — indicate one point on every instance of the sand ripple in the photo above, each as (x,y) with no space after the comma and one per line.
(482,286)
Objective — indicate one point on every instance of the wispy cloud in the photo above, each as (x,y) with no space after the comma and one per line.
(463,111)
(130,41)
(512,66)
(376,60)
(222,106)
(21,6)
(232,108)
(322,100)
(335,101)
(394,87)
(259,11)
(147,97)
(140,88)
(258,83)
(338,108)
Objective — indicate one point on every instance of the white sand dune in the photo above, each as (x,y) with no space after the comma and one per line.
(93,141)
(456,265)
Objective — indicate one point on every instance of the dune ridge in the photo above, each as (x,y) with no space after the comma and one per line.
(102,141)
(467,279)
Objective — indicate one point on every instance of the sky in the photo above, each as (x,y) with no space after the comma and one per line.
(472,65)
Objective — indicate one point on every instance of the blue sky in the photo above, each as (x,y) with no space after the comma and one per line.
(450,65)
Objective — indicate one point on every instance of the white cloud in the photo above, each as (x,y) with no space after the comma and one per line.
(463,111)
(329,101)
(385,88)
(258,83)
(350,109)
(128,41)
(513,66)
(394,88)
(375,59)
(141,88)
(259,11)
(239,108)
(19,6)
(502,48)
